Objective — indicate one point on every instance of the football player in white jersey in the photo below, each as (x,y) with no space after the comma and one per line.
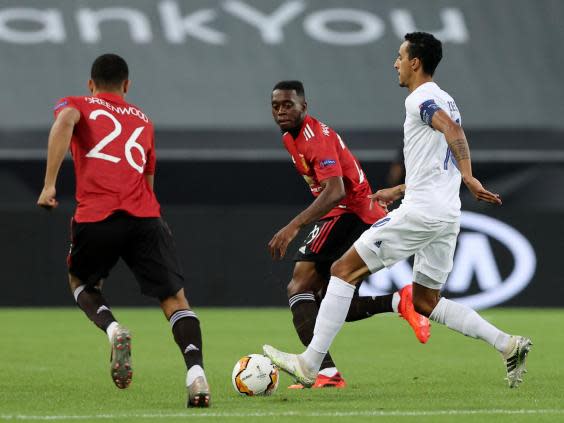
(426,224)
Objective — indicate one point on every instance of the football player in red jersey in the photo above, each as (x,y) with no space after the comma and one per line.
(340,213)
(118,215)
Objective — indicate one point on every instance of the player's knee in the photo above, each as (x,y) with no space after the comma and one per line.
(175,302)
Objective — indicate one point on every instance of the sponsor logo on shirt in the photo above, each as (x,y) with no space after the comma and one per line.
(61,104)
(326,163)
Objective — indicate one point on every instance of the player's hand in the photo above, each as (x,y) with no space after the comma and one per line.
(381,203)
(480,193)
(280,241)
(385,197)
(47,198)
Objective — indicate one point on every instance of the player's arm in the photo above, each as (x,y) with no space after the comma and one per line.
(150,181)
(333,192)
(150,165)
(456,139)
(59,142)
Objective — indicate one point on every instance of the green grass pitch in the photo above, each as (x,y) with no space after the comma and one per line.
(54,367)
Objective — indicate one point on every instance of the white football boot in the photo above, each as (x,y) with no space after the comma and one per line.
(291,364)
(515,360)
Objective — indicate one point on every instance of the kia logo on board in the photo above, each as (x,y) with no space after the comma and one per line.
(474,260)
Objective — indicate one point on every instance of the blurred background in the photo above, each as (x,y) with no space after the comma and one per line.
(204,70)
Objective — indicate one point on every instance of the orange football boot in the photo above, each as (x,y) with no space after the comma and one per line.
(419,323)
(335,381)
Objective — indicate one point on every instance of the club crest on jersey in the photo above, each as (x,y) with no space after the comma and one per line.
(326,163)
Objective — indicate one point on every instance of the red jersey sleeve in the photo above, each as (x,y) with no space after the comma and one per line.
(150,165)
(63,103)
(325,157)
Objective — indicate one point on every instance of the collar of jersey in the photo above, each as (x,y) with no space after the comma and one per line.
(114,98)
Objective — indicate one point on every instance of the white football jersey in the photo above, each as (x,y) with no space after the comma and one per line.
(432,177)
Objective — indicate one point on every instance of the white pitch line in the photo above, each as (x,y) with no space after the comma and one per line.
(372,413)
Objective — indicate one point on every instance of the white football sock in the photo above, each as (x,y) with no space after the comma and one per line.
(395,301)
(111,329)
(329,371)
(466,321)
(194,372)
(331,316)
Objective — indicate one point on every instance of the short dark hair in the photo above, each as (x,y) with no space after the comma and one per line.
(109,70)
(426,48)
(297,86)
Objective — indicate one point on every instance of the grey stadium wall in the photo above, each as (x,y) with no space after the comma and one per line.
(203,71)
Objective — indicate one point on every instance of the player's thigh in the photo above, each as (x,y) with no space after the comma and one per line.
(95,248)
(351,267)
(393,238)
(151,255)
(328,240)
(434,262)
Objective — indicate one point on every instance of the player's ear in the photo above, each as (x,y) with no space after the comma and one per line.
(126,86)
(91,86)
(415,64)
(305,106)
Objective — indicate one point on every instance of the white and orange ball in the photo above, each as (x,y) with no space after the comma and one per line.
(254,374)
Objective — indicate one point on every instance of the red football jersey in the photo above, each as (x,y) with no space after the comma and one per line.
(112,148)
(318,154)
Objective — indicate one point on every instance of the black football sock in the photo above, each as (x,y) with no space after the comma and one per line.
(186,330)
(94,305)
(364,307)
(304,309)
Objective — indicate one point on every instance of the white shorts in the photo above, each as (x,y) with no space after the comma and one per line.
(403,233)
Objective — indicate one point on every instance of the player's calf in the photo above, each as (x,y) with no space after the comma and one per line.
(188,336)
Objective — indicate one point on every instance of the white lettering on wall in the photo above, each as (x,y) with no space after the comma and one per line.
(317,26)
(335,26)
(453,30)
(474,255)
(269,26)
(52,28)
(89,23)
(176,27)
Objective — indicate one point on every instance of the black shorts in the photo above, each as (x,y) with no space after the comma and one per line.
(329,239)
(145,244)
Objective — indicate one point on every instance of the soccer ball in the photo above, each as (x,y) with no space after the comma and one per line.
(254,374)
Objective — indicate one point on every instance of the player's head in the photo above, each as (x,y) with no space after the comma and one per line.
(289,106)
(109,72)
(419,54)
